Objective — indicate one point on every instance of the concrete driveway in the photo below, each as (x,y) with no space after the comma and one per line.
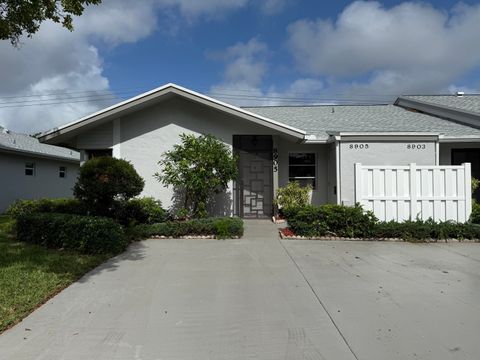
(261,298)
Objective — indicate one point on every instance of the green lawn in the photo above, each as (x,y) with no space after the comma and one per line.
(30,274)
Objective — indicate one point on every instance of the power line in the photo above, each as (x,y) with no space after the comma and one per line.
(313,99)
(235,91)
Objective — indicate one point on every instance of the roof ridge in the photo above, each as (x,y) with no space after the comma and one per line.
(313,105)
(432,95)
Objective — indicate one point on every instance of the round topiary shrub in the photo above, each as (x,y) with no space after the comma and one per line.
(104,180)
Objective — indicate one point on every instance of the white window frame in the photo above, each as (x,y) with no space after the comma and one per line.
(62,170)
(314,165)
(30,166)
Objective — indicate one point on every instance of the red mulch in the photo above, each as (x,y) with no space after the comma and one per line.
(287,232)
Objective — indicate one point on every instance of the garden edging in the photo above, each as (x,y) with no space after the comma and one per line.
(337,238)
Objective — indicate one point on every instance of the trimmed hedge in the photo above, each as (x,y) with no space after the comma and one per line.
(85,234)
(224,227)
(336,220)
(61,205)
(353,222)
(145,210)
(419,230)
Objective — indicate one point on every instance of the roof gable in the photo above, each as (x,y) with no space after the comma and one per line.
(143,100)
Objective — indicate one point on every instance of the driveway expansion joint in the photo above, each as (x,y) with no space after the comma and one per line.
(319,300)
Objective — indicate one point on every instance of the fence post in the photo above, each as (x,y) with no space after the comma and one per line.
(468,190)
(358,182)
(413,191)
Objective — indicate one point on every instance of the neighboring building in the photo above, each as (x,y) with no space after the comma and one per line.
(459,108)
(318,145)
(32,170)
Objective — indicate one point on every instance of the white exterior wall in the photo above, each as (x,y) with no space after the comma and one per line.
(46,183)
(379,153)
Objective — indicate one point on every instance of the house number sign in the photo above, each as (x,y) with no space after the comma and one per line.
(275,160)
(416,146)
(358,146)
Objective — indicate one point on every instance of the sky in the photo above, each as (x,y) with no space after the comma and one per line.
(245,52)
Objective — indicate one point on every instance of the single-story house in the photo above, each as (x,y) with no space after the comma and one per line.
(32,170)
(317,145)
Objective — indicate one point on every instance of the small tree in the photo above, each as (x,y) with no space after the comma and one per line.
(104,180)
(201,166)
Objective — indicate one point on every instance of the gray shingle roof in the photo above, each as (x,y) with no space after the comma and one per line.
(469,103)
(324,119)
(29,145)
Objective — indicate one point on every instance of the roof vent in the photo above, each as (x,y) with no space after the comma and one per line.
(333,109)
(460,93)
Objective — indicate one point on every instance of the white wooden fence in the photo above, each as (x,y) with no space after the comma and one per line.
(409,192)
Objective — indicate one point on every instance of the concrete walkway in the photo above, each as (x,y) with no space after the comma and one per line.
(262,298)
(185,299)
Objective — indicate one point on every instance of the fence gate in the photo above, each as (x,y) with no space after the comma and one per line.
(408,192)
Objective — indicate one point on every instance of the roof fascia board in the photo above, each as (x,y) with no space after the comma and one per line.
(37,155)
(463,116)
(459,139)
(403,136)
(163,90)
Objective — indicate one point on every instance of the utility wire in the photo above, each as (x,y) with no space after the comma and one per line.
(65,98)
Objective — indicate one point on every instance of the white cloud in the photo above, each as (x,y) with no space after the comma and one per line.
(411,47)
(57,61)
(245,68)
(246,65)
(272,7)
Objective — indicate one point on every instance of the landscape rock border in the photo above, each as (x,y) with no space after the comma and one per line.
(336,238)
(191,237)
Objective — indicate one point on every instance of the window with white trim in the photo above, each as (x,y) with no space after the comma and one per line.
(30,169)
(302,168)
(62,172)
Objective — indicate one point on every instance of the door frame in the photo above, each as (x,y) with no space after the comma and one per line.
(238,186)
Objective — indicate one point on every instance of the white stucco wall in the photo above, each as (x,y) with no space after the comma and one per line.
(46,183)
(379,153)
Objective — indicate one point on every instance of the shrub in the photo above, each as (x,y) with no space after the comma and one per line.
(85,234)
(220,227)
(104,180)
(337,220)
(140,211)
(200,166)
(475,215)
(420,230)
(64,206)
(293,195)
